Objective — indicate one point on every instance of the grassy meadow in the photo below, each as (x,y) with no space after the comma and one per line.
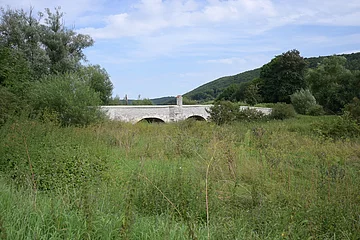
(186,180)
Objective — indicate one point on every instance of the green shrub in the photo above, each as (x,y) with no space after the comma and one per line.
(68,97)
(342,127)
(302,100)
(282,111)
(354,109)
(223,112)
(249,114)
(9,104)
(315,110)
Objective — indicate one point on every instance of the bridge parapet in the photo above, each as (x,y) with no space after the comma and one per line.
(164,113)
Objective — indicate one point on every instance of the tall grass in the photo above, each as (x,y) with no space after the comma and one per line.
(187,180)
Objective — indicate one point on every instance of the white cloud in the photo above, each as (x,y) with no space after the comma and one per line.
(232,60)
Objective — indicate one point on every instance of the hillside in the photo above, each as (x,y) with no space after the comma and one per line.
(211,90)
(164,101)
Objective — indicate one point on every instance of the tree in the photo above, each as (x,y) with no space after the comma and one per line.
(21,32)
(63,46)
(282,76)
(229,93)
(14,72)
(47,45)
(67,97)
(332,84)
(302,100)
(99,80)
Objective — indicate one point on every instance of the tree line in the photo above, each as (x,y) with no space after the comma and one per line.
(331,84)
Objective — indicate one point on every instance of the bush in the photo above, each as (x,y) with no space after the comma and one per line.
(249,114)
(223,112)
(9,105)
(342,127)
(302,100)
(353,109)
(282,111)
(315,110)
(68,97)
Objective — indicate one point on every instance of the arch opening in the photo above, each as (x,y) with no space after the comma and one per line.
(196,118)
(152,120)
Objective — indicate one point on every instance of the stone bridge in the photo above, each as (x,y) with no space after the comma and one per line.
(161,113)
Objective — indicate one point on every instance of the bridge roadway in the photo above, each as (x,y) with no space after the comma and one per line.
(162,113)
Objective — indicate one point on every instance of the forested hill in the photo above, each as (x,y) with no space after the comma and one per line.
(211,90)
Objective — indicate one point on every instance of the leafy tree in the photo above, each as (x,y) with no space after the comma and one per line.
(282,111)
(99,80)
(252,95)
(47,45)
(14,72)
(302,100)
(332,84)
(63,46)
(22,32)
(9,104)
(229,94)
(223,112)
(353,108)
(187,101)
(68,97)
(283,76)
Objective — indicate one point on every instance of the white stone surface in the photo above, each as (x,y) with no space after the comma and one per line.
(166,113)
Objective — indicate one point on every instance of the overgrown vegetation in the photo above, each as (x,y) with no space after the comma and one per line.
(187,180)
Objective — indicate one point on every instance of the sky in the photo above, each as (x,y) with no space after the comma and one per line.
(156,48)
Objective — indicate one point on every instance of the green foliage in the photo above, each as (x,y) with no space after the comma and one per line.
(63,46)
(46,44)
(15,72)
(282,111)
(302,100)
(213,89)
(99,80)
(315,110)
(352,63)
(248,114)
(67,95)
(43,157)
(164,101)
(340,128)
(284,75)
(187,101)
(187,180)
(10,105)
(223,112)
(353,109)
(229,93)
(145,101)
(332,84)
(247,92)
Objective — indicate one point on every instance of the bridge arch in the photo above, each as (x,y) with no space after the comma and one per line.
(196,117)
(151,120)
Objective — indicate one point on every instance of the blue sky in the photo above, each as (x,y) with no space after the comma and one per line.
(156,48)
